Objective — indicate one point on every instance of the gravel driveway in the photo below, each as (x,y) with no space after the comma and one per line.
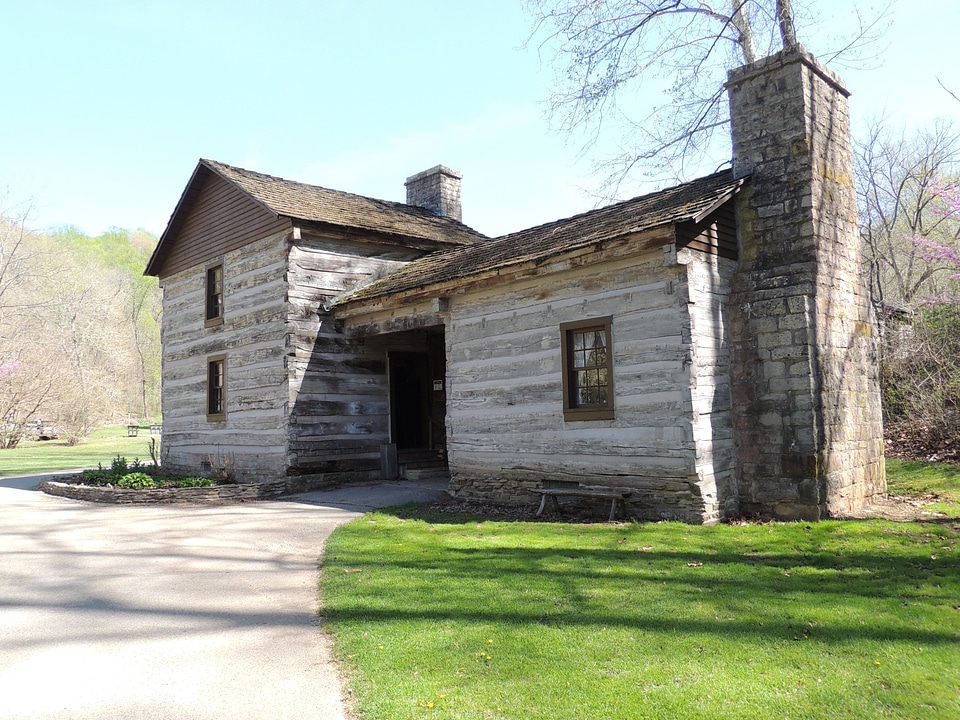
(169,611)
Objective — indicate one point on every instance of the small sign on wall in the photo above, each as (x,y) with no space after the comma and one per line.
(438,385)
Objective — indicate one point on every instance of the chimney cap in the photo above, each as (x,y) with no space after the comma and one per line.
(435,170)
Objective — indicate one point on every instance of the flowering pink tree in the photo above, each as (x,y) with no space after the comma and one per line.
(7,368)
(921,363)
(946,198)
(909,218)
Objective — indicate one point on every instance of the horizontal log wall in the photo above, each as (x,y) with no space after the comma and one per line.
(506,433)
(251,441)
(708,287)
(338,391)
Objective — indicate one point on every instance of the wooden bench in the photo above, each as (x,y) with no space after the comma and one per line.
(615,496)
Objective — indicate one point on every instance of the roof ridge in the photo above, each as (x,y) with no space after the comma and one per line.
(676,204)
(619,203)
(392,204)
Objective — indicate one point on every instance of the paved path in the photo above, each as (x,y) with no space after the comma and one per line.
(169,611)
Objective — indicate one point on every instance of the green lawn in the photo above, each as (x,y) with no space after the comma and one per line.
(51,455)
(457,617)
(938,484)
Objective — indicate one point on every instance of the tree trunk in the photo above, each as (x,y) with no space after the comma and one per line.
(742,24)
(785,22)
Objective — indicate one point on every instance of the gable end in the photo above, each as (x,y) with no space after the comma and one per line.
(212,218)
(715,234)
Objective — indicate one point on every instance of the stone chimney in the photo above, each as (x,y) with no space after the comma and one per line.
(804,378)
(436,189)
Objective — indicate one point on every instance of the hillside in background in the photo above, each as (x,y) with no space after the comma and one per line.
(79,330)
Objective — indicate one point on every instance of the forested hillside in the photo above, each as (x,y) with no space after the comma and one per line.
(79,330)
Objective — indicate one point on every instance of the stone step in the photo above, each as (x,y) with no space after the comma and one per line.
(425,473)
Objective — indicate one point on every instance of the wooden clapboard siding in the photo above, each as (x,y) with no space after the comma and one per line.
(221,219)
(338,392)
(252,438)
(715,234)
(708,288)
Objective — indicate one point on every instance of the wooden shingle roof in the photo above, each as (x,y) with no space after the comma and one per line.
(294,203)
(686,202)
(312,203)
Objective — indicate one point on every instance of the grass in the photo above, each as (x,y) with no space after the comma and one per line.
(938,484)
(458,617)
(51,455)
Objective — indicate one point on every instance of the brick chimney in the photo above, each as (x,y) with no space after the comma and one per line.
(804,378)
(436,189)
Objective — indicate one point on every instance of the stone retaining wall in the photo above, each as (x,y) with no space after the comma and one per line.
(213,495)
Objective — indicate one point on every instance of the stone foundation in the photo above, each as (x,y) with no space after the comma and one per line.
(650,499)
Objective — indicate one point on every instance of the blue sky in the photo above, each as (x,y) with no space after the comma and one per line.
(108,104)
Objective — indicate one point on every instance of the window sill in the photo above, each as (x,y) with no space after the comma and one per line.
(213,322)
(576,414)
(219,418)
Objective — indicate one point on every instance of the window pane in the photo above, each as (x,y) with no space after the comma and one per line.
(214,307)
(215,387)
(587,368)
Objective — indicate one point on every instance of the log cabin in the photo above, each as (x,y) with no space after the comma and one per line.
(705,350)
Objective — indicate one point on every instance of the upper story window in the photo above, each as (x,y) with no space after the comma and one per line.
(216,387)
(214,292)
(587,370)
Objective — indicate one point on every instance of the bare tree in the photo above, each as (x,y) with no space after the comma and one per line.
(607,50)
(144,307)
(89,321)
(25,383)
(909,198)
(904,217)
(79,338)
(18,264)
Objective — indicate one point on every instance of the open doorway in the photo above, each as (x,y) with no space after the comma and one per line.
(418,396)
(410,400)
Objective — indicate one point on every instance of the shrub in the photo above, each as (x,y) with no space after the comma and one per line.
(97,477)
(118,466)
(131,476)
(192,482)
(920,373)
(136,480)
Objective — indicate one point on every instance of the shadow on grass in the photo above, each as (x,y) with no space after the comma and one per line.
(832,582)
(796,631)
